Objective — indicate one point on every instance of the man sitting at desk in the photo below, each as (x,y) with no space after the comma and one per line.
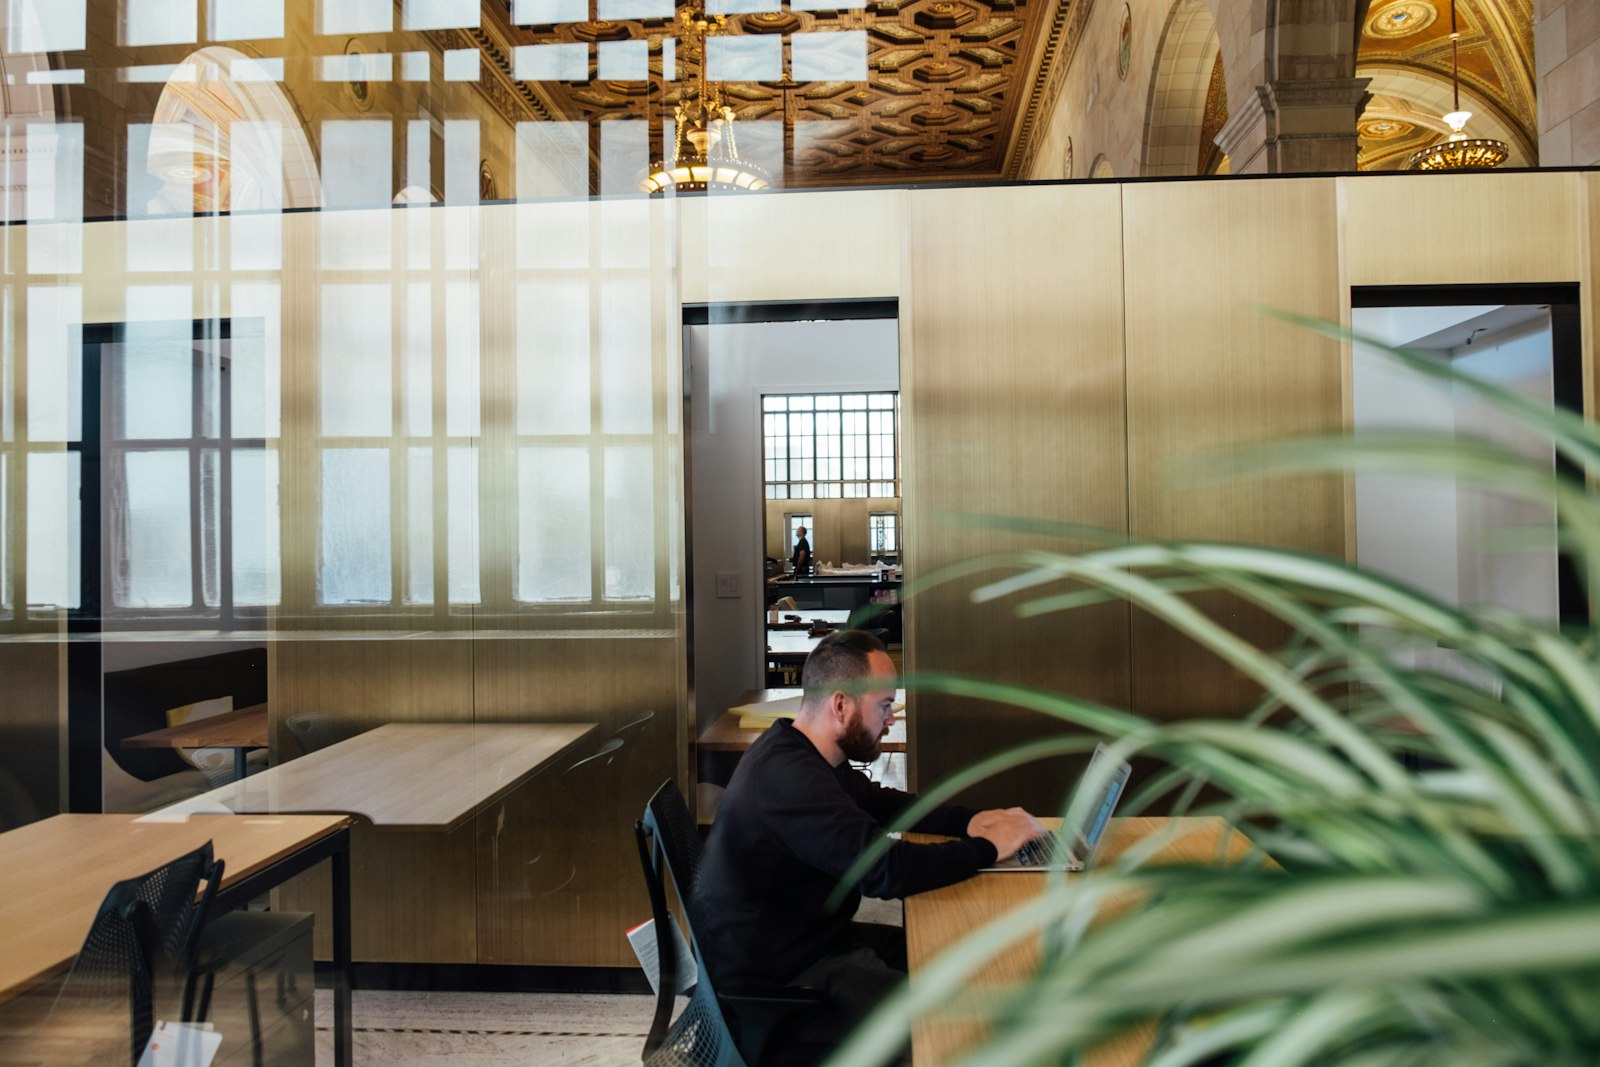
(794,818)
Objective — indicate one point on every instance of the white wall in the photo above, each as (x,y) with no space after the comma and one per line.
(1453,541)
(731,366)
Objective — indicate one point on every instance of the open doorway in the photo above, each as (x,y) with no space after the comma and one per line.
(1464,545)
(793,414)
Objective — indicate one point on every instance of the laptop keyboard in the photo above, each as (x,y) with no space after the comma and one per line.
(1047,851)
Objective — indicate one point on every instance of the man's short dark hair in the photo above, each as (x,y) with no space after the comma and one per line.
(842,656)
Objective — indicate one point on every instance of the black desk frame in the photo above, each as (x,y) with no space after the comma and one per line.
(333,846)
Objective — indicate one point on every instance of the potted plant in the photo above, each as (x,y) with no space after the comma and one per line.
(1435,895)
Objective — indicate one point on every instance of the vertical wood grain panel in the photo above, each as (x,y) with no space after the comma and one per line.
(412,894)
(1454,229)
(1012,375)
(557,871)
(1207,369)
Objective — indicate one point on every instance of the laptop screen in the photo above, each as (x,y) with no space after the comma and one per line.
(1105,803)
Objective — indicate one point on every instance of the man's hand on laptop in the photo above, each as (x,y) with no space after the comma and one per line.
(1007,829)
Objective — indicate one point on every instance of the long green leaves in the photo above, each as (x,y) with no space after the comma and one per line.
(1427,775)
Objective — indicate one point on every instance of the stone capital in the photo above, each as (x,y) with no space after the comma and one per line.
(1306,126)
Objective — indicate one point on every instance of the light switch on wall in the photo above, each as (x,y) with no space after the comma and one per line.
(728,584)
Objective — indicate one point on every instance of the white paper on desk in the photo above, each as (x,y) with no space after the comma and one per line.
(180,1045)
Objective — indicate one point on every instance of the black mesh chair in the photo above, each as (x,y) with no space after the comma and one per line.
(139,950)
(713,1031)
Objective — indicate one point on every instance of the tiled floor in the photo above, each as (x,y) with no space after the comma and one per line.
(400,1029)
(405,1029)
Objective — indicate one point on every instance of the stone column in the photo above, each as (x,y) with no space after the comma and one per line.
(1566,50)
(1306,126)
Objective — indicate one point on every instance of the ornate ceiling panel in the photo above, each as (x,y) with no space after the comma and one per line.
(1413,36)
(955,89)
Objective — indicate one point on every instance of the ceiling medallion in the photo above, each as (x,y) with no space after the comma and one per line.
(1458,151)
(1383,129)
(1401,19)
(1125,42)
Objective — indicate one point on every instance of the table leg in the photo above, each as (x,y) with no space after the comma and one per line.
(343,1034)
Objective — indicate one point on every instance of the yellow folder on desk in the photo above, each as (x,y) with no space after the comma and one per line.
(762,715)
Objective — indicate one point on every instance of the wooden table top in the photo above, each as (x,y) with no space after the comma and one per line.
(408,776)
(243,728)
(937,919)
(54,873)
(726,735)
(790,644)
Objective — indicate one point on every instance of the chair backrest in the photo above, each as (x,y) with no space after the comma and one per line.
(143,940)
(669,847)
(668,818)
(113,976)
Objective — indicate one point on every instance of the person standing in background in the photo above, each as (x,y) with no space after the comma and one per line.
(801,560)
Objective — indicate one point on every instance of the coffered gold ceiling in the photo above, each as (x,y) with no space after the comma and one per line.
(956,89)
(1405,49)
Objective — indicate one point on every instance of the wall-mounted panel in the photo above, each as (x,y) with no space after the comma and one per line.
(1012,397)
(1208,370)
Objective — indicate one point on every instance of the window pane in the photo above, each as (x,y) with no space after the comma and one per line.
(462,521)
(419,526)
(625,357)
(257,382)
(154,381)
(774,403)
(54,529)
(355,361)
(553,552)
(552,358)
(461,359)
(257,573)
(630,523)
(353,567)
(419,359)
(55,364)
(150,545)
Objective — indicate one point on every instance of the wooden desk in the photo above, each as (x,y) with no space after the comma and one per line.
(789,646)
(808,618)
(239,730)
(55,872)
(408,776)
(937,919)
(726,735)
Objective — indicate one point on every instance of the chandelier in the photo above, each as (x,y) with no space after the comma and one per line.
(1458,151)
(705,152)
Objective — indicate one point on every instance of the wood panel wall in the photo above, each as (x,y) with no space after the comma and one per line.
(1012,400)
(1208,369)
(1061,347)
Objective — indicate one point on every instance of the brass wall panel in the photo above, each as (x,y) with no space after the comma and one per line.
(557,873)
(1456,229)
(32,703)
(412,894)
(1208,370)
(1012,389)
(799,246)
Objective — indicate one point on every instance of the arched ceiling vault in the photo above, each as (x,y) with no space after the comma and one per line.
(1405,48)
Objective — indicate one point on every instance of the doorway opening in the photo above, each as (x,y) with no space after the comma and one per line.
(1465,545)
(793,415)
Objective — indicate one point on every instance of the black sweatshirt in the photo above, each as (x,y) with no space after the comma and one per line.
(787,829)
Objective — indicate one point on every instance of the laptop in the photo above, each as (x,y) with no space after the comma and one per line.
(1071,848)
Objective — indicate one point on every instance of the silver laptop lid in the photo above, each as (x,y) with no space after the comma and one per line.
(1086,837)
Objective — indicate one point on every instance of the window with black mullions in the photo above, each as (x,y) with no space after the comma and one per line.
(831,445)
(190,521)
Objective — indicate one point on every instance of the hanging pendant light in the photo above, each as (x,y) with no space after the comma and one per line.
(1458,151)
(705,150)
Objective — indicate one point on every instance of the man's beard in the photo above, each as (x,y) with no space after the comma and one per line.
(858,744)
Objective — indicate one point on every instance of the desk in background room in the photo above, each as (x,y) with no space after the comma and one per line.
(939,918)
(239,730)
